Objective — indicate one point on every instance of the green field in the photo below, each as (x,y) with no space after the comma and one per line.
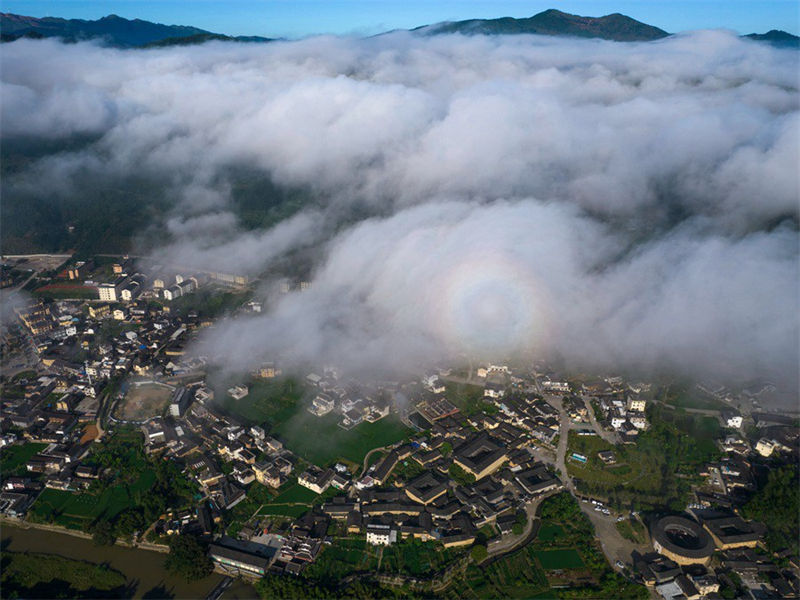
(279,405)
(550,532)
(468,398)
(321,441)
(686,396)
(134,477)
(286,510)
(559,559)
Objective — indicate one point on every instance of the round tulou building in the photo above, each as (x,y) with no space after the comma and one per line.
(682,540)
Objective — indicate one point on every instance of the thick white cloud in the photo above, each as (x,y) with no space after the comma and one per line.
(616,204)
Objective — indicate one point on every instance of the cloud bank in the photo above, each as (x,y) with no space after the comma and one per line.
(622,206)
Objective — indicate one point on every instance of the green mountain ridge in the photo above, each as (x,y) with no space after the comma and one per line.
(112,30)
(616,27)
(776,37)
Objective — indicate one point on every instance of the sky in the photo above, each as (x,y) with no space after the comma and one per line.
(299,18)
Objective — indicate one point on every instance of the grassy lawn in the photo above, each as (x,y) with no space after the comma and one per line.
(567,558)
(321,441)
(656,471)
(128,481)
(268,402)
(278,404)
(295,494)
(14,457)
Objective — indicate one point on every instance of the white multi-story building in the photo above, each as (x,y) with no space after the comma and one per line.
(616,422)
(107,292)
(637,404)
(556,386)
(732,420)
(765,447)
(381,535)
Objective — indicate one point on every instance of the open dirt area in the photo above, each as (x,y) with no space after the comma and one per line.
(143,400)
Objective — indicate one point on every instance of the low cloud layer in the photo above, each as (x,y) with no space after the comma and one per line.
(624,206)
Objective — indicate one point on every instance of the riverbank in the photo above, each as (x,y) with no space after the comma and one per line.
(75,533)
(142,568)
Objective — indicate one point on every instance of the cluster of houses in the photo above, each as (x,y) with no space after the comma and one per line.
(204,439)
(81,351)
(458,474)
(354,402)
(626,417)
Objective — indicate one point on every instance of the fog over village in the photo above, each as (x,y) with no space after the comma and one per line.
(616,205)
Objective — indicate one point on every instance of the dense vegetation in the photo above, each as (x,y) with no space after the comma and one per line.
(133,491)
(188,558)
(111,213)
(34,575)
(777,505)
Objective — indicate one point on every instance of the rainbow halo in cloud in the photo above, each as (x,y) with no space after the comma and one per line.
(489,303)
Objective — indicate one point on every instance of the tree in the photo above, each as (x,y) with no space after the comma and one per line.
(187,558)
(461,476)
(479,553)
(103,533)
(128,522)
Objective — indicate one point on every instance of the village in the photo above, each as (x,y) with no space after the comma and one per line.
(279,469)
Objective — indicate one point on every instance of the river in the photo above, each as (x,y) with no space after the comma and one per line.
(145,568)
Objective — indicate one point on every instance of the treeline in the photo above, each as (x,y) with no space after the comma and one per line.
(777,505)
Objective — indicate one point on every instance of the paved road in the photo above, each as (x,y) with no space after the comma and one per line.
(511,542)
(365,466)
(608,436)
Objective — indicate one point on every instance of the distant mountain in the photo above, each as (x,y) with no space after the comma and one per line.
(113,30)
(615,27)
(776,37)
(202,38)
(118,31)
